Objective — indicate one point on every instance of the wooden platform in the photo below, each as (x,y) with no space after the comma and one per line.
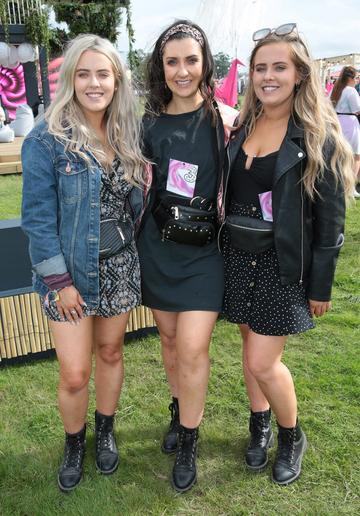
(10,156)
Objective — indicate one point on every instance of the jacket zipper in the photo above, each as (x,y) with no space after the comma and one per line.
(302,229)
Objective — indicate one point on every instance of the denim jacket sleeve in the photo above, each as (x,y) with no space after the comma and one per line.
(40,207)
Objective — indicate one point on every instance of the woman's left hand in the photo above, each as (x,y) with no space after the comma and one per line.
(319,308)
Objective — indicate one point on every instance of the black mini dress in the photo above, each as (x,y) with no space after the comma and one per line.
(254,294)
(179,277)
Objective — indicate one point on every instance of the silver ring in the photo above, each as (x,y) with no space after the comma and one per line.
(73,312)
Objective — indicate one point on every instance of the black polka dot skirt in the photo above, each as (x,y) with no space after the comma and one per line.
(254,294)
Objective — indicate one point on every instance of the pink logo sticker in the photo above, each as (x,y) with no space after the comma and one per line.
(266,205)
(181,178)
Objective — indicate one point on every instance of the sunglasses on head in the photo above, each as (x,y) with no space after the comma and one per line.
(282,30)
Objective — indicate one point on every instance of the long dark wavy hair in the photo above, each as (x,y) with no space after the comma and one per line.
(348,72)
(159,95)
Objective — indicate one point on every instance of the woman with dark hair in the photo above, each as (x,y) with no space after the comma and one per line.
(181,268)
(346,102)
(290,171)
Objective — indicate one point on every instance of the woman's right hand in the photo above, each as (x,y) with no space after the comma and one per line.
(70,304)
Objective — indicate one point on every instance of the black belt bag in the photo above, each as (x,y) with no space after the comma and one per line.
(185,225)
(115,235)
(250,234)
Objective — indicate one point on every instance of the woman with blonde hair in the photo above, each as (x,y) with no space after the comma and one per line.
(290,172)
(346,102)
(82,171)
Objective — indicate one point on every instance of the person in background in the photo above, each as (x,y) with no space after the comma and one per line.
(181,267)
(346,102)
(290,171)
(82,190)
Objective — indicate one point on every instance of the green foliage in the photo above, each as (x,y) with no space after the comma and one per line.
(222,64)
(93,17)
(37,28)
(138,69)
(4,18)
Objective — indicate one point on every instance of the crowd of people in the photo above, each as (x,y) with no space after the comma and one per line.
(200,210)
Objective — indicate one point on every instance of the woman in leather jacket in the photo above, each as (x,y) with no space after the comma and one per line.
(82,167)
(288,174)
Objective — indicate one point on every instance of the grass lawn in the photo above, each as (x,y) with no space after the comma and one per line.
(10,196)
(326,366)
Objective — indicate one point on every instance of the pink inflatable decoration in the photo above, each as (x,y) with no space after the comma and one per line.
(12,88)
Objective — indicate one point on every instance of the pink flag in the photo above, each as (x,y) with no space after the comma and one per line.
(227,92)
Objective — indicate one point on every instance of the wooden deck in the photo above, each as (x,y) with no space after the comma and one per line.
(10,160)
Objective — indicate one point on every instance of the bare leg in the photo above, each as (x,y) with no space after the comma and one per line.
(193,334)
(166,324)
(109,372)
(258,401)
(264,362)
(73,346)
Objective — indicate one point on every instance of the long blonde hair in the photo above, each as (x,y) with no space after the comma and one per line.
(316,114)
(67,122)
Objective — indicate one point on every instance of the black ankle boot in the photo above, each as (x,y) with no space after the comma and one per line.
(292,445)
(169,443)
(106,453)
(70,471)
(262,438)
(184,471)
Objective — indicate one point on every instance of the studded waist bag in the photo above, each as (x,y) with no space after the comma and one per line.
(185,224)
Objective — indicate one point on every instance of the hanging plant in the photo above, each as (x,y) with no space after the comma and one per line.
(4,19)
(37,28)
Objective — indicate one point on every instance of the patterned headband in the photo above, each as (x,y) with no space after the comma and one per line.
(182,27)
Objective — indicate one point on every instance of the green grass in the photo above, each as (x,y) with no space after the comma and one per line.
(10,196)
(326,367)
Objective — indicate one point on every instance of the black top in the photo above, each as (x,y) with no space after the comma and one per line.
(186,138)
(179,277)
(246,185)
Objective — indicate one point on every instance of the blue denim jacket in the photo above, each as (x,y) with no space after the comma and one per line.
(61,213)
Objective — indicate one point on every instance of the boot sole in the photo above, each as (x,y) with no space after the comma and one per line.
(67,489)
(108,471)
(291,480)
(259,469)
(183,490)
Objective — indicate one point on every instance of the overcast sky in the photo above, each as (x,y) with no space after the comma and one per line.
(331,27)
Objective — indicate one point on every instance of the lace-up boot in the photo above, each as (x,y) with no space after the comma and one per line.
(169,443)
(70,471)
(106,453)
(184,471)
(262,438)
(292,445)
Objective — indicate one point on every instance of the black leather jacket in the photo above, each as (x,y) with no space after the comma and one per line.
(308,234)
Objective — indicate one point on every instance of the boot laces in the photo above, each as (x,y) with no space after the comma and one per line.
(174,423)
(286,449)
(185,455)
(258,428)
(103,437)
(73,452)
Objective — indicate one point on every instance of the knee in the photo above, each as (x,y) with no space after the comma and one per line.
(75,380)
(262,371)
(109,353)
(192,359)
(168,340)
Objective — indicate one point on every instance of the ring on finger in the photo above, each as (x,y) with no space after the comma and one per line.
(74,312)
